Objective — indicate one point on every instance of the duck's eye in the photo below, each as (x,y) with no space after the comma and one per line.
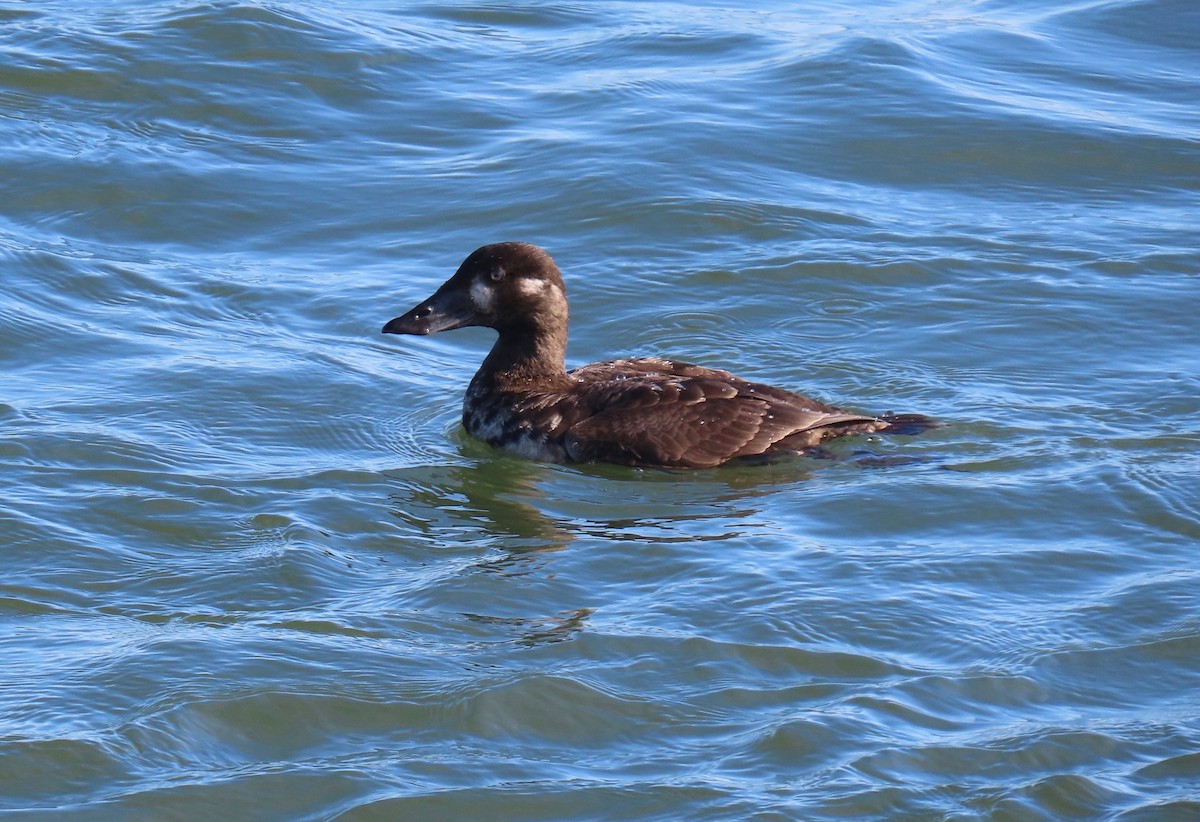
(497,274)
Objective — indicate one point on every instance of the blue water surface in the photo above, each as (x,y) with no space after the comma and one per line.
(251,567)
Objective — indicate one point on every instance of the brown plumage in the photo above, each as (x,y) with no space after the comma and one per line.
(649,411)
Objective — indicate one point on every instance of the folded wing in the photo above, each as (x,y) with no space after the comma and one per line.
(659,412)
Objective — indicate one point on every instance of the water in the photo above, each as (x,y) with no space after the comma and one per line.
(252,568)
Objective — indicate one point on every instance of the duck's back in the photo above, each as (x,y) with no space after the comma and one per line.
(659,412)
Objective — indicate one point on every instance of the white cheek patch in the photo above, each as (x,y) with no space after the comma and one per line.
(532,288)
(482,296)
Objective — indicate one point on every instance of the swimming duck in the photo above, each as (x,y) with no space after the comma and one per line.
(642,412)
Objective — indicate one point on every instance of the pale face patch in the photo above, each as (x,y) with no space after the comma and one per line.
(482,296)
(532,288)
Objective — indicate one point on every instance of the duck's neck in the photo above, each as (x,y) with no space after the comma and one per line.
(522,358)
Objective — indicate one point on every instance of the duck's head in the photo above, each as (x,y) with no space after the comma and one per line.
(511,287)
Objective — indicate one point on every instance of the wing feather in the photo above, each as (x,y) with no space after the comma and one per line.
(659,412)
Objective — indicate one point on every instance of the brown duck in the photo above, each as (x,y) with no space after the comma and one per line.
(646,411)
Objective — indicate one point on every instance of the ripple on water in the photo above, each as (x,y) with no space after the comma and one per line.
(25,764)
(251,561)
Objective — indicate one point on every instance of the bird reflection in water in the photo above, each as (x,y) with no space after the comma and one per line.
(539,630)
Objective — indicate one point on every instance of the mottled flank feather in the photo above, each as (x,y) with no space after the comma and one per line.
(649,412)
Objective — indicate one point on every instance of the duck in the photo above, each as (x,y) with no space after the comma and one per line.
(646,412)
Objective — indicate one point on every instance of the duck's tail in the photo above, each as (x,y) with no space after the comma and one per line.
(907,424)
